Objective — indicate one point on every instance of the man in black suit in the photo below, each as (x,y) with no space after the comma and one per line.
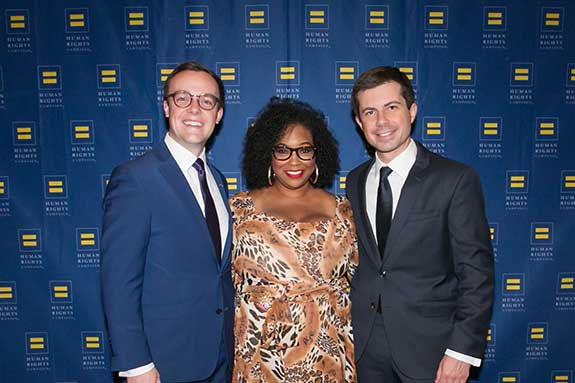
(423,292)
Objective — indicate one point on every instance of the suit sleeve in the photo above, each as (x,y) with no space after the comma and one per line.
(473,263)
(125,235)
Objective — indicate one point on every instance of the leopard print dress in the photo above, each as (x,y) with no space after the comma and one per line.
(292,313)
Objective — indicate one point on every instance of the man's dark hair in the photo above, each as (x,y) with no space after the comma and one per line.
(195,67)
(273,120)
(381,75)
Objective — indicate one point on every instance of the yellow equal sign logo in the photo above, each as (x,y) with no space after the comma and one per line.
(87,239)
(546,128)
(232,183)
(572,74)
(408,71)
(257,17)
(140,131)
(49,77)
(55,186)
(24,133)
(537,333)
(17,21)
(464,73)
(542,232)
(287,73)
(108,76)
(346,73)
(82,131)
(6,293)
(566,283)
(494,18)
(135,18)
(492,233)
(436,17)
(317,16)
(36,342)
(569,181)
(513,284)
(342,181)
(552,19)
(509,379)
(490,128)
(517,182)
(164,73)
(196,17)
(228,74)
(29,240)
(433,128)
(60,291)
(490,334)
(92,342)
(76,20)
(2,187)
(377,17)
(562,376)
(521,74)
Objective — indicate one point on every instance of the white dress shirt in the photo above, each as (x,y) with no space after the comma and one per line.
(185,159)
(400,166)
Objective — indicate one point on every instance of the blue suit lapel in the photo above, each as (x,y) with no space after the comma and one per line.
(409,194)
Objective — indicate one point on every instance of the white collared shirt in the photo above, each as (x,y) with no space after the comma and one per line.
(400,166)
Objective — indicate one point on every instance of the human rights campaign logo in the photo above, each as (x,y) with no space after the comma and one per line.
(287,73)
(8,293)
(513,284)
(82,132)
(495,19)
(317,16)
(491,335)
(494,233)
(55,187)
(229,73)
(234,182)
(257,17)
(490,128)
(409,68)
(521,75)
(108,76)
(140,131)
(4,188)
(377,17)
(36,343)
(341,182)
(464,73)
(30,240)
(509,377)
(552,19)
(61,291)
(562,376)
(77,20)
(547,128)
(436,18)
(517,181)
(537,333)
(92,342)
(566,283)
(197,18)
(346,72)
(163,70)
(568,181)
(24,133)
(541,233)
(87,239)
(49,77)
(434,128)
(137,19)
(17,21)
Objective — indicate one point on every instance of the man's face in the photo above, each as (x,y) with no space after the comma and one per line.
(385,119)
(192,126)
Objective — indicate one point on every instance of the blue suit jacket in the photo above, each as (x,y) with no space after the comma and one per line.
(166,297)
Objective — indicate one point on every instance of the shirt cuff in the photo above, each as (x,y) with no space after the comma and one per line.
(137,371)
(475,362)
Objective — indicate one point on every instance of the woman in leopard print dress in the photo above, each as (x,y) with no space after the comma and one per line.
(294,253)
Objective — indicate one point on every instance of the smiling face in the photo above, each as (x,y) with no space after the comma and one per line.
(191,127)
(294,173)
(385,119)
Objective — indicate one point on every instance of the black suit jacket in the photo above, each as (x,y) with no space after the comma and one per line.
(435,280)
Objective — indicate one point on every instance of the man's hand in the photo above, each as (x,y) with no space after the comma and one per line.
(152,376)
(452,371)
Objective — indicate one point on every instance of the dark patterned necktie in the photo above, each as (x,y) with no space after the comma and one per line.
(209,207)
(383,209)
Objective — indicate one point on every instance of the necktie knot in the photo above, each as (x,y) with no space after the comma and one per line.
(384,172)
(199,166)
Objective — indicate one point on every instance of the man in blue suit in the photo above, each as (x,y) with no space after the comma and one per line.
(166,282)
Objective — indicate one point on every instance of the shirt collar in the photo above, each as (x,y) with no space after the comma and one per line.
(184,158)
(401,164)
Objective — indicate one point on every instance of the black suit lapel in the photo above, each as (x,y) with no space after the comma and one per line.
(363,226)
(409,194)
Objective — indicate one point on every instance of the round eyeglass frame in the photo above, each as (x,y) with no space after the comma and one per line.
(296,150)
(201,99)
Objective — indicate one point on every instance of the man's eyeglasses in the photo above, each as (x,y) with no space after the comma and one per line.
(282,152)
(183,99)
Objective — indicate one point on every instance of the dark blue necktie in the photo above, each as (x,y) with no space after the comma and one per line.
(209,208)
(384,208)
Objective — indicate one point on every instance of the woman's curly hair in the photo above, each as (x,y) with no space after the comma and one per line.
(270,125)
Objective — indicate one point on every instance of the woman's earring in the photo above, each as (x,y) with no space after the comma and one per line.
(270,175)
(316,176)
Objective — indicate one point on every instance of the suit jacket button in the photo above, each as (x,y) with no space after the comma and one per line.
(218,311)
(383,274)
(372,306)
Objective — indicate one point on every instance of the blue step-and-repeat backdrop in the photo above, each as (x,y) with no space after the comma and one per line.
(80,92)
